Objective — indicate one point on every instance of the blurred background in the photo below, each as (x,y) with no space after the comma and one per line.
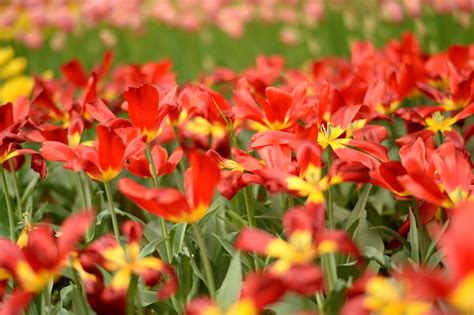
(201,35)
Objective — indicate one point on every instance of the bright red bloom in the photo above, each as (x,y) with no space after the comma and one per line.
(279,111)
(155,73)
(138,163)
(123,261)
(451,185)
(238,173)
(12,119)
(306,239)
(102,163)
(200,182)
(258,291)
(267,70)
(458,246)
(146,111)
(41,260)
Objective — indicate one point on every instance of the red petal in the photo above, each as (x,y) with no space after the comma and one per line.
(167,203)
(75,73)
(110,149)
(200,184)
(73,230)
(143,106)
(254,240)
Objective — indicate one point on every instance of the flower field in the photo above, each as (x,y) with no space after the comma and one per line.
(236,157)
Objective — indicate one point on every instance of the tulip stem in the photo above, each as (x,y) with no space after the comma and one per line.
(16,185)
(82,194)
(328,263)
(330,206)
(149,157)
(132,297)
(80,286)
(164,230)
(11,220)
(113,215)
(250,216)
(205,261)
(47,298)
(249,207)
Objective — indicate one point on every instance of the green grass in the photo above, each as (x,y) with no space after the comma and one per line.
(193,53)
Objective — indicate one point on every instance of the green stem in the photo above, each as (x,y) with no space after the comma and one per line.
(149,157)
(328,263)
(113,215)
(422,233)
(230,126)
(16,185)
(329,203)
(132,295)
(47,299)
(164,230)
(82,194)
(87,189)
(78,281)
(249,207)
(320,302)
(11,220)
(205,261)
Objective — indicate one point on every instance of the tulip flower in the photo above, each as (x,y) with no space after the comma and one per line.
(102,163)
(146,111)
(200,181)
(258,291)
(40,261)
(123,262)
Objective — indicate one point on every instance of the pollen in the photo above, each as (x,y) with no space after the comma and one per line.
(440,123)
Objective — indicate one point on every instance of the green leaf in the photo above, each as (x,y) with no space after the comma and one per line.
(151,247)
(414,239)
(230,288)
(66,295)
(435,259)
(292,304)
(29,189)
(359,210)
(226,244)
(393,234)
(432,247)
(148,297)
(368,240)
(78,306)
(178,238)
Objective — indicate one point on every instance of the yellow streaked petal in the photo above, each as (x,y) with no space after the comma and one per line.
(327,247)
(243,307)
(278,248)
(114,258)
(4,274)
(121,279)
(32,281)
(148,263)
(212,310)
(461,297)
(299,185)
